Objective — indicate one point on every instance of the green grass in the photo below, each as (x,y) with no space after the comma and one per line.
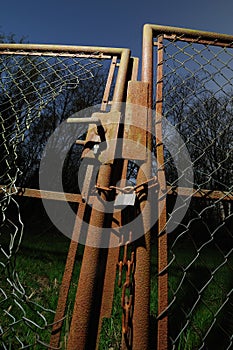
(40,264)
(206,284)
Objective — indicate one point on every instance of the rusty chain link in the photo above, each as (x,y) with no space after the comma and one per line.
(150,183)
(126,267)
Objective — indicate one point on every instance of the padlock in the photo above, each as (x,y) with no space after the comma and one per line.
(125,199)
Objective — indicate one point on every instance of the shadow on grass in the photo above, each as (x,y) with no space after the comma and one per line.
(192,315)
(220,336)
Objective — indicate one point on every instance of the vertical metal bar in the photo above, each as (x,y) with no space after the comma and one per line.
(86,314)
(162,235)
(85,320)
(66,280)
(120,174)
(108,84)
(134,75)
(121,82)
(141,317)
(138,97)
(113,255)
(147,75)
(147,60)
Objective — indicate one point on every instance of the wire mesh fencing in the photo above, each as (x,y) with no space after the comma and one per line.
(197,98)
(38,91)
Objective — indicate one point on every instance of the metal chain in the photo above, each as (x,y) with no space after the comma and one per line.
(150,183)
(126,267)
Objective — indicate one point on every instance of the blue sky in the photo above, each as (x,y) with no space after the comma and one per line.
(109,23)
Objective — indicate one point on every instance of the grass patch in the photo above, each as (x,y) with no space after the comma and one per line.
(39,264)
(194,317)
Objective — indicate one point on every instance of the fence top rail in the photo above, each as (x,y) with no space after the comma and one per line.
(189,33)
(97,51)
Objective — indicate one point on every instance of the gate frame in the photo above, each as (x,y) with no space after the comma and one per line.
(150,31)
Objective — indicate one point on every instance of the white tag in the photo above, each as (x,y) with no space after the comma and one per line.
(125,199)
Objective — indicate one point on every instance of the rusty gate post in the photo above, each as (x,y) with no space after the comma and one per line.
(141,317)
(86,314)
(162,212)
(84,324)
(119,176)
(66,280)
(147,75)
(137,117)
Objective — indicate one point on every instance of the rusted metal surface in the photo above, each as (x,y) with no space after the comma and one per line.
(162,339)
(97,51)
(121,81)
(141,322)
(113,253)
(91,282)
(199,40)
(109,283)
(141,297)
(207,39)
(126,268)
(97,278)
(147,60)
(66,280)
(135,67)
(119,176)
(77,198)
(141,316)
(147,75)
(85,319)
(51,195)
(190,33)
(87,308)
(200,193)
(136,123)
(70,261)
(108,85)
(110,124)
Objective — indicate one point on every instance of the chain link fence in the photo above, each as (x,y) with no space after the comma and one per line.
(198,101)
(38,91)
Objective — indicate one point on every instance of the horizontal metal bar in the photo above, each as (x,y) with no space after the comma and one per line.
(58,196)
(98,55)
(108,84)
(197,40)
(77,198)
(62,49)
(190,33)
(91,120)
(200,193)
(80,142)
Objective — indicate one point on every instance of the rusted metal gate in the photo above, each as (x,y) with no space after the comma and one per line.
(136,306)
(97,277)
(173,61)
(199,65)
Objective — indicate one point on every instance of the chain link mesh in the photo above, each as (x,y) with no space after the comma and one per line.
(198,101)
(30,85)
